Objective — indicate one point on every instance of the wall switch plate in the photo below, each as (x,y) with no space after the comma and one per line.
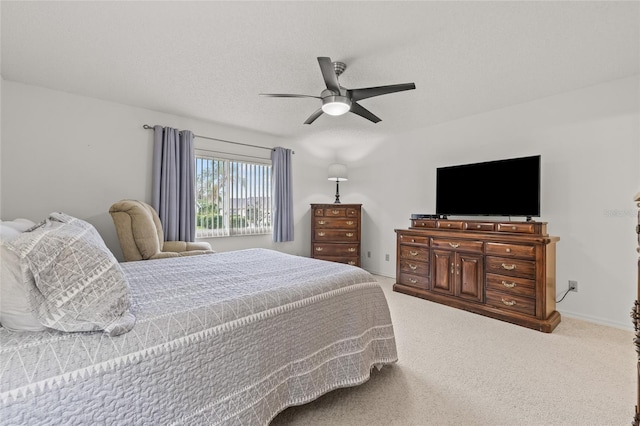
(386,257)
(573,286)
(368,254)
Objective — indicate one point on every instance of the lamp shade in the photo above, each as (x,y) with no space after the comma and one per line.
(338,172)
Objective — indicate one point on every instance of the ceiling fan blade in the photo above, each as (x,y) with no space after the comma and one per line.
(329,74)
(358,109)
(287,95)
(370,92)
(313,116)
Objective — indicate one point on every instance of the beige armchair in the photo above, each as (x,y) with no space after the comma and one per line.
(141,236)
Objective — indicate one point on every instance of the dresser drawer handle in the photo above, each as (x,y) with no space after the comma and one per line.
(478,226)
(456,245)
(335,211)
(351,249)
(349,234)
(514,227)
(321,222)
(413,253)
(350,222)
(508,284)
(448,225)
(351,262)
(413,281)
(413,240)
(508,250)
(413,267)
(509,267)
(321,234)
(318,248)
(508,302)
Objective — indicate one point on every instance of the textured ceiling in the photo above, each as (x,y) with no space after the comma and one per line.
(210,60)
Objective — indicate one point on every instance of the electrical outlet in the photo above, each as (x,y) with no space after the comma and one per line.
(368,254)
(386,257)
(573,286)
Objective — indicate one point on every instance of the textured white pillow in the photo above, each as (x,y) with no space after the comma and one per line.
(15,309)
(77,284)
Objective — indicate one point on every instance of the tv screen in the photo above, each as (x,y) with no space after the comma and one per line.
(509,187)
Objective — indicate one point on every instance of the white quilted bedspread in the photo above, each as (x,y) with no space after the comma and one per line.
(231,338)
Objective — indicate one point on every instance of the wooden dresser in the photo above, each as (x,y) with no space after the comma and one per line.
(504,270)
(335,232)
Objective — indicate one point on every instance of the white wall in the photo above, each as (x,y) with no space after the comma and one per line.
(75,154)
(589,141)
(62,152)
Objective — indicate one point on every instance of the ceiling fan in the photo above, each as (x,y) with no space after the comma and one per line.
(336,100)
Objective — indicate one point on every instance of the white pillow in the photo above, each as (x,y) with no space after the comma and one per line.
(15,309)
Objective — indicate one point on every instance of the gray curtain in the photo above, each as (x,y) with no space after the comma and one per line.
(282,195)
(173,181)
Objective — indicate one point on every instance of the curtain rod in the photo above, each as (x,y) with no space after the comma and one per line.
(146,126)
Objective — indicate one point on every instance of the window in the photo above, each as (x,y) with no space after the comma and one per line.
(232,197)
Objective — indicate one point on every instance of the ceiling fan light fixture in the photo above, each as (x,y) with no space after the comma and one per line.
(336,105)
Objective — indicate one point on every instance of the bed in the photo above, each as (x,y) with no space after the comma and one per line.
(219,339)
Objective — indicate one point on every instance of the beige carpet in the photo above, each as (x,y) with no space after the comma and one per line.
(459,368)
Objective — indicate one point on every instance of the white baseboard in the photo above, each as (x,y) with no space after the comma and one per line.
(596,320)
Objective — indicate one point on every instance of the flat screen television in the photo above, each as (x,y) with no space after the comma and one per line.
(509,187)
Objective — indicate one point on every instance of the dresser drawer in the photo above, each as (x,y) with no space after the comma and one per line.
(458,245)
(450,224)
(423,223)
(511,285)
(353,261)
(515,250)
(414,253)
(518,228)
(511,267)
(336,235)
(413,267)
(329,249)
(479,226)
(414,280)
(335,212)
(336,222)
(413,239)
(511,302)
